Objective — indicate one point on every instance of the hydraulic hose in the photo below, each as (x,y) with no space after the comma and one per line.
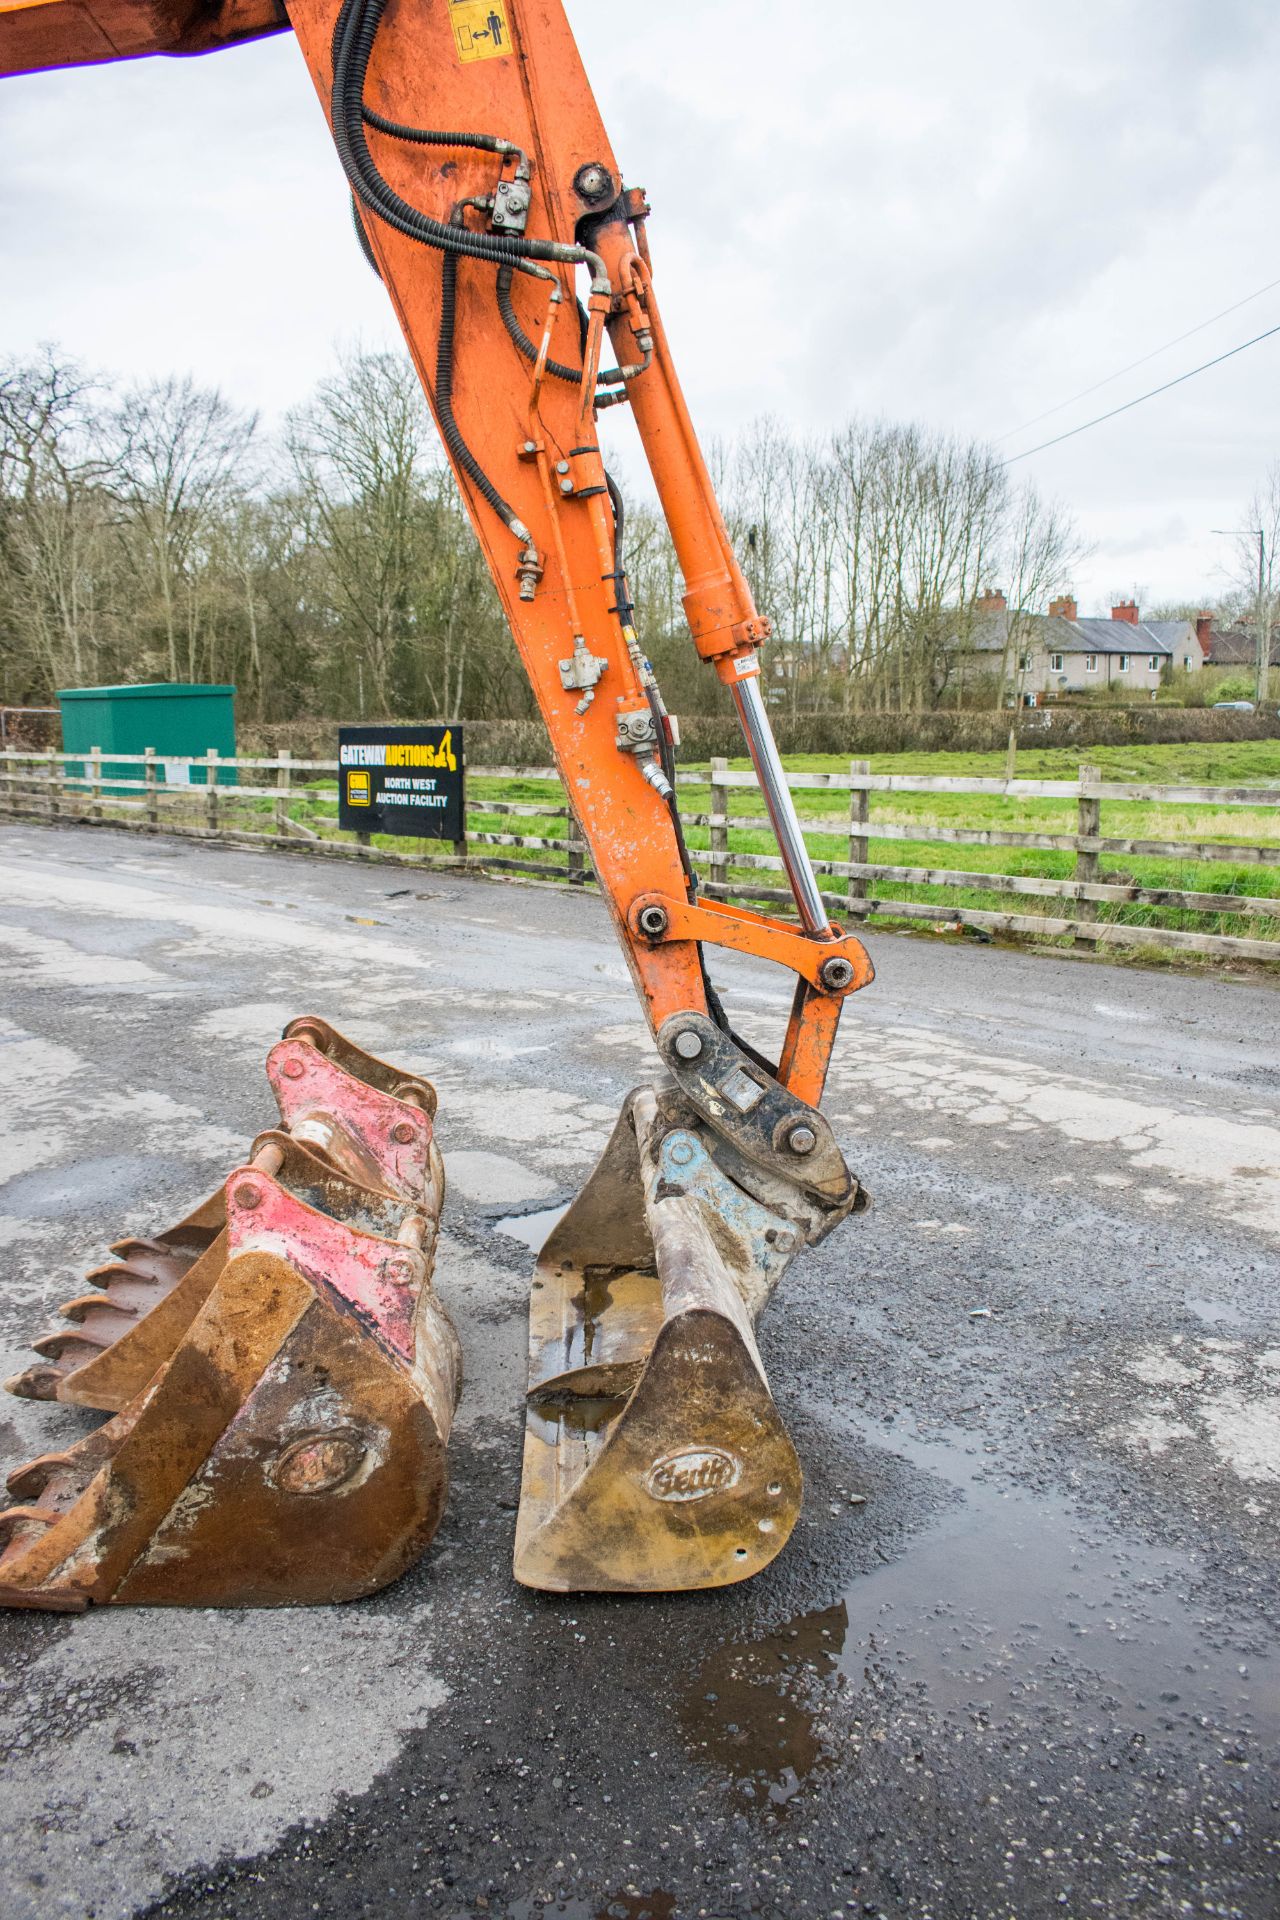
(363,237)
(449,427)
(511,322)
(355,31)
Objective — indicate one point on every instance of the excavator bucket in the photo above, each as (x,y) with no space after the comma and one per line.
(281,1374)
(655,1459)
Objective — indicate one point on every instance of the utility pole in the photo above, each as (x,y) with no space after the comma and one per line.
(1264,624)
(1263,675)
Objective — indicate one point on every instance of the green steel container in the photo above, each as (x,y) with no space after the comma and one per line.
(180,722)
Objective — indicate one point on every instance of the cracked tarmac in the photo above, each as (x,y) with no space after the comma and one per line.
(1020,1656)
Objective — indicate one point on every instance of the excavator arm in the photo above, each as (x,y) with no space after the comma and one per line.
(35,34)
(487,196)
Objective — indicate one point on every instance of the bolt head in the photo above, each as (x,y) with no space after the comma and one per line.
(247,1195)
(836,973)
(293,1069)
(592,181)
(681,1151)
(654,923)
(402,1133)
(689,1045)
(802,1139)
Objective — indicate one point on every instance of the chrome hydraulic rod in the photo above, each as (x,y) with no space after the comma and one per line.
(763,748)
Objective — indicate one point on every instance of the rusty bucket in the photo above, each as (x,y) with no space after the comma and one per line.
(281,1374)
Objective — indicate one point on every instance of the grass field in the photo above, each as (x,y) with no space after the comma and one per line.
(825,818)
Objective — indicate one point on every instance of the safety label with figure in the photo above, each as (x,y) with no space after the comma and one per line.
(401,780)
(480,29)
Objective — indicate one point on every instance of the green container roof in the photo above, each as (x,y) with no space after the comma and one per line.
(151,690)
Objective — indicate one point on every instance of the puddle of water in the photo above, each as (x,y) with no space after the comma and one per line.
(749,1711)
(531,1229)
(1215,1313)
(1011,1601)
(1013,1597)
(619,1906)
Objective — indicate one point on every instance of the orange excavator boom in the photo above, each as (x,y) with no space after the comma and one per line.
(489,199)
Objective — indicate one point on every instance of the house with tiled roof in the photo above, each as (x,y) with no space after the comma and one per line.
(1234,646)
(1049,655)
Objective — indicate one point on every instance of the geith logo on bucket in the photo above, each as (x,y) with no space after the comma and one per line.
(692,1473)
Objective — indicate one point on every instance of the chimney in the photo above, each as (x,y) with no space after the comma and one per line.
(1127,611)
(992,601)
(1204,632)
(1064,608)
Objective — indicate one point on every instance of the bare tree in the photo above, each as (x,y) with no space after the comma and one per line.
(57,480)
(1040,549)
(183,453)
(356,452)
(1256,569)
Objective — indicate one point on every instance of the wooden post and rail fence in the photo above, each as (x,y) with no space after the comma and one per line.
(127,790)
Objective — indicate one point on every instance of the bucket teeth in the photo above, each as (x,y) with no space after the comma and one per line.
(129,1288)
(87,1305)
(150,1261)
(282,1376)
(35,1383)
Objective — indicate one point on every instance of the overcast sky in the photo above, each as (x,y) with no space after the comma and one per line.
(957,214)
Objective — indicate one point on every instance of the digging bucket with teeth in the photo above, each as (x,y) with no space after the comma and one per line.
(342,1102)
(281,1374)
(655,1459)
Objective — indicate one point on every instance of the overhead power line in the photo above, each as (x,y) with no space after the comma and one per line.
(1134,364)
(1071,432)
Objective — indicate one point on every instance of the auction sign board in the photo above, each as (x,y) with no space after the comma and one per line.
(401,780)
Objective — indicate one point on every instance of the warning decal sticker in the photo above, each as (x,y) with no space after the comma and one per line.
(480,29)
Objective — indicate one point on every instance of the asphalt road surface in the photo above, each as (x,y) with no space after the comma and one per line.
(1020,1656)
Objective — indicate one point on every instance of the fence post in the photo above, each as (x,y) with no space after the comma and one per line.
(859,811)
(1011,755)
(211,790)
(577,847)
(1088,826)
(460,846)
(152,795)
(55,776)
(718,885)
(284,785)
(95,791)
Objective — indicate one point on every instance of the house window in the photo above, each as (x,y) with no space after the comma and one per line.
(1024,663)
(1124,663)
(1055,663)
(1153,663)
(1091,663)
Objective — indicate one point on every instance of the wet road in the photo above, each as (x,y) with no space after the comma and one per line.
(1020,1657)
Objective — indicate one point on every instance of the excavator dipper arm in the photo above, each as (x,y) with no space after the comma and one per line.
(488,197)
